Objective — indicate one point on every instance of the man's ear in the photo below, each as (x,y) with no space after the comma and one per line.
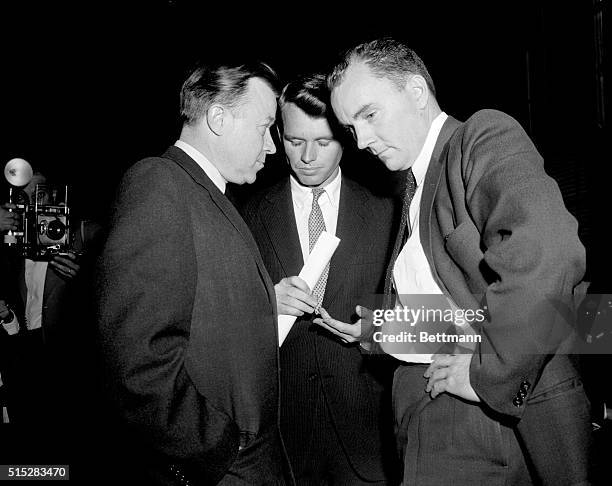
(418,89)
(218,119)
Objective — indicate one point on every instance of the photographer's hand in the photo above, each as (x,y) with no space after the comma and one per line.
(66,265)
(8,319)
(8,219)
(4,310)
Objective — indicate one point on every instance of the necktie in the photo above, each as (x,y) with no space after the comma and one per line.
(316,226)
(404,231)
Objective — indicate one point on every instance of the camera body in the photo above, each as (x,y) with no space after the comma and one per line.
(44,229)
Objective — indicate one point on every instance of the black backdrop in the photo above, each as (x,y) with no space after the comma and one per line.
(89,88)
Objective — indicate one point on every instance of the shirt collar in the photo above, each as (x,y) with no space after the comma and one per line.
(207,166)
(302,195)
(419,168)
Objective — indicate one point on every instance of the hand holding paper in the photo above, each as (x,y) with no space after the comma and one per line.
(293,297)
(313,268)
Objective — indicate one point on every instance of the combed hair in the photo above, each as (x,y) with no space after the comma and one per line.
(386,58)
(310,94)
(222,83)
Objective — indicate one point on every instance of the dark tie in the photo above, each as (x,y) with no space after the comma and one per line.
(316,226)
(404,232)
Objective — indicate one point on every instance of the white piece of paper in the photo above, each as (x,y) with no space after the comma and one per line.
(316,262)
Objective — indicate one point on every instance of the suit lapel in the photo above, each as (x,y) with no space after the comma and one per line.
(279,222)
(351,220)
(226,207)
(430,187)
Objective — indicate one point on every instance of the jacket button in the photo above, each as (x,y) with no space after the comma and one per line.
(525,386)
(517,402)
(312,377)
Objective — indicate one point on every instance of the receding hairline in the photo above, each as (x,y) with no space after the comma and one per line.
(238,104)
(357,61)
(386,58)
(223,84)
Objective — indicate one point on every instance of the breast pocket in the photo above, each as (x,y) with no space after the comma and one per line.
(463,246)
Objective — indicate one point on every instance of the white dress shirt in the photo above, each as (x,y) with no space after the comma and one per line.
(411,273)
(329,203)
(35,277)
(207,166)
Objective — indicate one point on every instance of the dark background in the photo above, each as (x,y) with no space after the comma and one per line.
(90,88)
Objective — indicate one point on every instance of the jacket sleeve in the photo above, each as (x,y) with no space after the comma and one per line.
(531,255)
(145,285)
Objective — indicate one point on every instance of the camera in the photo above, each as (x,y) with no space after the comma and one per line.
(44,223)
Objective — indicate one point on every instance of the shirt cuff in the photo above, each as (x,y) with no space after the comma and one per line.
(11,327)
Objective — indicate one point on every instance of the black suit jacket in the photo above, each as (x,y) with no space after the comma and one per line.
(60,295)
(186,316)
(313,359)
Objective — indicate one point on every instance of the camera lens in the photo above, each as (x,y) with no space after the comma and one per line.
(56,230)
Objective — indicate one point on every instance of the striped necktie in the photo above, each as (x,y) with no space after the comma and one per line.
(316,226)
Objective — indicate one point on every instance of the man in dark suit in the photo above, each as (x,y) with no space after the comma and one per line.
(39,307)
(487,229)
(334,409)
(186,311)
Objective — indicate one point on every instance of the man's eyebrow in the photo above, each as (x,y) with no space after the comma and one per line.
(362,110)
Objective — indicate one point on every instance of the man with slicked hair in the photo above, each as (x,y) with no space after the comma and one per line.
(186,311)
(334,401)
(485,227)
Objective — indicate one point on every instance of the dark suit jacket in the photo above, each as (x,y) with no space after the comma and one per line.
(313,359)
(186,316)
(42,368)
(496,232)
(58,294)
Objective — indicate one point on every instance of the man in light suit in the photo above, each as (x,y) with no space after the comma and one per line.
(333,403)
(186,311)
(486,228)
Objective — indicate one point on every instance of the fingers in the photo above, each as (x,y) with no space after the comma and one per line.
(364,312)
(439,361)
(292,306)
(69,255)
(67,261)
(8,220)
(440,374)
(4,310)
(293,297)
(348,332)
(451,374)
(64,266)
(352,330)
(298,283)
(342,336)
(438,388)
